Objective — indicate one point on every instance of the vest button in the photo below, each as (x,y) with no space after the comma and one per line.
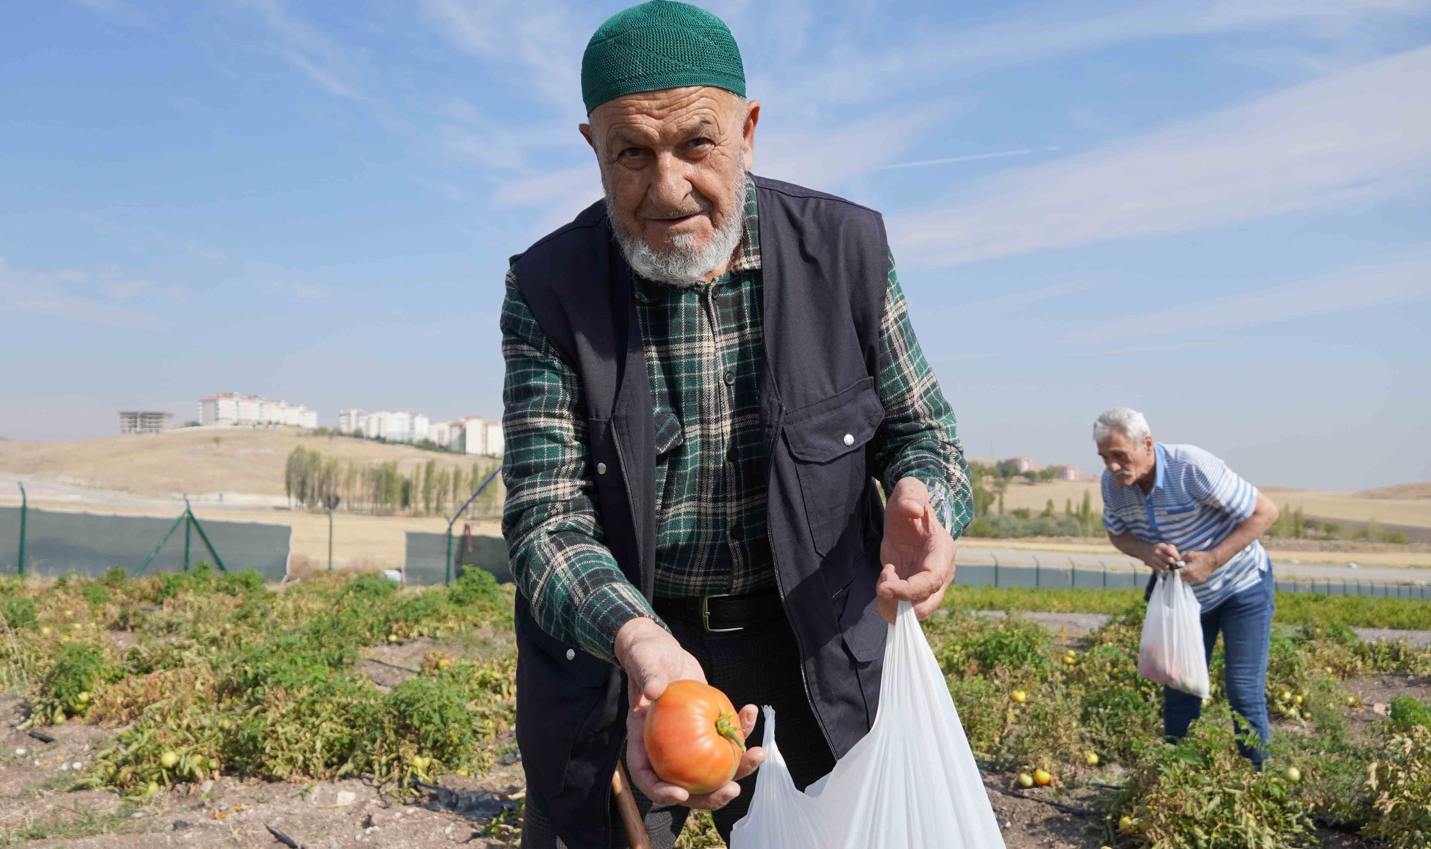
(849,439)
(737,531)
(601,468)
(571,654)
(730,378)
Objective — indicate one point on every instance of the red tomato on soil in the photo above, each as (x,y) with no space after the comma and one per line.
(693,737)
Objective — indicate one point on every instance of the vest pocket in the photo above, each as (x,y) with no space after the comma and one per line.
(827,440)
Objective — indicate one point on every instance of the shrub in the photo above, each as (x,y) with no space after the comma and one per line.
(1202,793)
(1401,780)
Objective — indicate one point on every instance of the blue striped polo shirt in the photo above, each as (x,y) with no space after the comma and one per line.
(1195,503)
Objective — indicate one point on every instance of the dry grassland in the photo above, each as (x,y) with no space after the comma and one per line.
(1399,505)
(196,461)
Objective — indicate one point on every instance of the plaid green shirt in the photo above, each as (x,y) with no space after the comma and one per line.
(704,355)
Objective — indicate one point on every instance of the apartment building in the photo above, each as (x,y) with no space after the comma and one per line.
(236,410)
(137,421)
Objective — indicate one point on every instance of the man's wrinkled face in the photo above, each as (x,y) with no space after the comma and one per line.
(673,163)
(1126,460)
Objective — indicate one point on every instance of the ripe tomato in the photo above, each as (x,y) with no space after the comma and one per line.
(693,737)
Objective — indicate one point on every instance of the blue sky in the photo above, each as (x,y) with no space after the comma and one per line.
(1217,212)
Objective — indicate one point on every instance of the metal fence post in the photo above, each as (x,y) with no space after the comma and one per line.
(1038,574)
(1072,573)
(330,536)
(996,571)
(188,526)
(1105,573)
(24,508)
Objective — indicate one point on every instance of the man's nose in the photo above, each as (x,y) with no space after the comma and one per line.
(670,189)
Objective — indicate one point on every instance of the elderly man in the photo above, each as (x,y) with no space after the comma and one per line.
(706,374)
(1171,504)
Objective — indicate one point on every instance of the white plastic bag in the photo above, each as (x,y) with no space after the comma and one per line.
(1171,650)
(911,782)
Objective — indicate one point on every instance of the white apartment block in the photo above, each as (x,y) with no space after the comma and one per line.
(252,411)
(476,435)
(352,421)
(472,435)
(440,433)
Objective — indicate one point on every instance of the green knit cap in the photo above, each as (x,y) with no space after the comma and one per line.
(656,45)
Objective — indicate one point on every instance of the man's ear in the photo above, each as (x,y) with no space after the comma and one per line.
(752,117)
(585,130)
(1147,442)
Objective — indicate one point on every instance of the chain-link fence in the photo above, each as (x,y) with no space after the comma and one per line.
(1104,577)
(54,543)
(426,560)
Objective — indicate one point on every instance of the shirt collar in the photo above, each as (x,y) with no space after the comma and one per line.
(1160,458)
(747,256)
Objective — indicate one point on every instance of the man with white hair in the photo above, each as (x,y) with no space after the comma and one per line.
(1170,504)
(706,374)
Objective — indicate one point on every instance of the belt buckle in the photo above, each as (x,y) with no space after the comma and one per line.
(706,615)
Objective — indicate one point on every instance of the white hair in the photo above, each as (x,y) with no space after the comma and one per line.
(1126,419)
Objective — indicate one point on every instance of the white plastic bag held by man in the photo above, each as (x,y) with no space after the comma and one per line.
(907,783)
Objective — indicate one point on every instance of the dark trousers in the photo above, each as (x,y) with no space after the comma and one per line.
(759,666)
(1245,620)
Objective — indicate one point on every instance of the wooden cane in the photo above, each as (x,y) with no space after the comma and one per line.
(626,804)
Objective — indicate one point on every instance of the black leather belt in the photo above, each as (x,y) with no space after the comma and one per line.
(718,614)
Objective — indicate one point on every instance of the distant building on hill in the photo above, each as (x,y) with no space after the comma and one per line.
(352,421)
(144,421)
(1069,473)
(236,410)
(476,435)
(1024,464)
(472,435)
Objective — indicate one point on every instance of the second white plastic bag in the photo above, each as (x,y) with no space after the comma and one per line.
(1171,650)
(911,782)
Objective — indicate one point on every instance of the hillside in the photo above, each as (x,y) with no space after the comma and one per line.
(1398,505)
(197,461)
(1403,490)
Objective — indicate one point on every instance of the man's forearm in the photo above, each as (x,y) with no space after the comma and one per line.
(1132,546)
(1244,534)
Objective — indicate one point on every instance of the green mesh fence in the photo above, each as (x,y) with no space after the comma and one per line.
(425,563)
(92,543)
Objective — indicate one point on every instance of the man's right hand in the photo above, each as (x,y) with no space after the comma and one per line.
(653,659)
(1162,557)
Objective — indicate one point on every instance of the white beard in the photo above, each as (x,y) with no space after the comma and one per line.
(683,264)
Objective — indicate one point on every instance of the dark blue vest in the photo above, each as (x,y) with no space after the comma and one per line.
(825,263)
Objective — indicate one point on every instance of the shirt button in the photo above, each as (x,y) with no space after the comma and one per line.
(849,439)
(737,531)
(730,378)
(601,468)
(571,654)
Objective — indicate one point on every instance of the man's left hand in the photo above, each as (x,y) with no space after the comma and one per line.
(917,553)
(1200,566)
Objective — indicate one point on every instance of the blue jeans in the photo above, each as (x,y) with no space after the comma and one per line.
(1245,620)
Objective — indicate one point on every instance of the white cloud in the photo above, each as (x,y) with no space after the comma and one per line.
(19,294)
(852,74)
(124,290)
(1379,284)
(178,293)
(971,157)
(294,291)
(541,43)
(325,61)
(1356,136)
(116,10)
